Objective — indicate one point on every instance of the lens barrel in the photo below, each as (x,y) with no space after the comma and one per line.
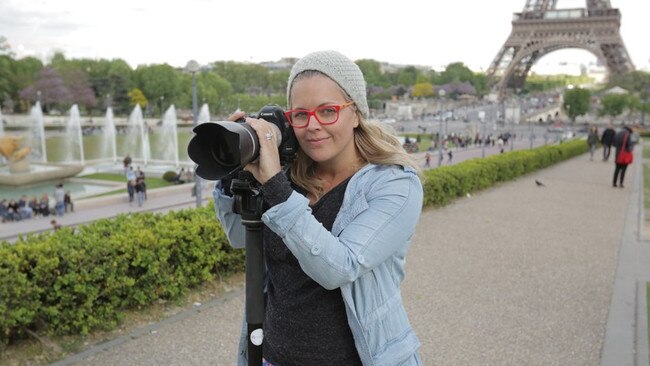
(222,148)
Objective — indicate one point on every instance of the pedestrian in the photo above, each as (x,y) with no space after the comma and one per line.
(427,160)
(59,200)
(624,142)
(139,190)
(337,225)
(67,201)
(55,225)
(130,183)
(450,154)
(140,174)
(44,205)
(592,141)
(607,140)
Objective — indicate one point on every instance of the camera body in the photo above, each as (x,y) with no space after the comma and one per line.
(220,149)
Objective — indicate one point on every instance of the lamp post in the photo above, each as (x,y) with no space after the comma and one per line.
(162,99)
(481,118)
(193,66)
(441,93)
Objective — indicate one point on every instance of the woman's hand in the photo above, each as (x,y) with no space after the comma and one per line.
(268,163)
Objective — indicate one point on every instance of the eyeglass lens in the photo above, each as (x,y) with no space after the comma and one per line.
(324,115)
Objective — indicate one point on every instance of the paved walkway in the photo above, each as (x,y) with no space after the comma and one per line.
(517,274)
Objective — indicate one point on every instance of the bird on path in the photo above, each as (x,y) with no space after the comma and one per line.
(539,184)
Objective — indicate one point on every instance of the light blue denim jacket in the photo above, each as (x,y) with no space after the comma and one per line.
(363,255)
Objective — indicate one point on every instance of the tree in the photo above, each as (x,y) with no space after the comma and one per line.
(456,72)
(613,104)
(424,90)
(576,102)
(53,90)
(5,47)
(407,76)
(157,81)
(80,90)
(137,97)
(372,72)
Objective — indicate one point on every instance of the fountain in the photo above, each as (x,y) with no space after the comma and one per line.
(204,114)
(36,137)
(169,136)
(137,135)
(108,145)
(74,137)
(18,150)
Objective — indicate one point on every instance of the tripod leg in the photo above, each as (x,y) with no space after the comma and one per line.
(254,292)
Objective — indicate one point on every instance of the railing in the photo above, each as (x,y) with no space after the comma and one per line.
(565,14)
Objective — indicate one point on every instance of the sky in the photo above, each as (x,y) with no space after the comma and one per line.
(413,32)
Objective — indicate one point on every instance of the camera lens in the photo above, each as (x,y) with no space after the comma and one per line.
(221,148)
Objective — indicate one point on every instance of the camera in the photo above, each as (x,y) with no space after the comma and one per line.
(221,149)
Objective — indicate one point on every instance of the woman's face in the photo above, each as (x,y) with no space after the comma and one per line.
(325,144)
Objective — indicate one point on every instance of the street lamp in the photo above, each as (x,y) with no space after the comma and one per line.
(481,118)
(441,93)
(193,66)
(162,99)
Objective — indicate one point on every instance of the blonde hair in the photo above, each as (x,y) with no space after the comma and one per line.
(375,143)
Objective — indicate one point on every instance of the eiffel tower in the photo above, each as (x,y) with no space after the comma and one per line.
(541,28)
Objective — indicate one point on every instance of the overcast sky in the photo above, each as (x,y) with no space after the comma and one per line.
(417,32)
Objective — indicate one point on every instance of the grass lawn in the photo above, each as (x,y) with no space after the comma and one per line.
(152,182)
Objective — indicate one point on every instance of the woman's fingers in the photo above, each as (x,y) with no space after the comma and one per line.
(237,115)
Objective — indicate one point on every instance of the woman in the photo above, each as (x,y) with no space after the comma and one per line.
(592,141)
(624,140)
(338,226)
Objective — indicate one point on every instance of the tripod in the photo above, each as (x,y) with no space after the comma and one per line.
(249,204)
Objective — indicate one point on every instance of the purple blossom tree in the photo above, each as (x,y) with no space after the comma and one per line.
(80,89)
(51,87)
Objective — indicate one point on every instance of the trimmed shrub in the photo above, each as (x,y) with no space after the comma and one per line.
(169,176)
(70,281)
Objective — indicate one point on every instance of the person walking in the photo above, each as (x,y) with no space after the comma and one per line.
(130,183)
(59,200)
(140,174)
(592,141)
(139,190)
(338,225)
(67,200)
(624,142)
(607,140)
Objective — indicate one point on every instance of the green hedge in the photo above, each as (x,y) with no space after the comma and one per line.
(76,280)
(445,184)
(70,282)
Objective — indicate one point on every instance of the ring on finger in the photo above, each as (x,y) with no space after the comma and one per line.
(269,135)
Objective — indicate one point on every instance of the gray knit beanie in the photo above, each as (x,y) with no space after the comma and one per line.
(338,68)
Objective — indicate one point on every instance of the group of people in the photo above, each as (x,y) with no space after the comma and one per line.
(136,186)
(25,208)
(623,142)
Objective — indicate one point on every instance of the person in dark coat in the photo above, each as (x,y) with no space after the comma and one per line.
(607,140)
(626,136)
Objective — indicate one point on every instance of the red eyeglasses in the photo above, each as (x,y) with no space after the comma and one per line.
(325,115)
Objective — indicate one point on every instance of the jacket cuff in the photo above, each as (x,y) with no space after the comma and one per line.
(277,189)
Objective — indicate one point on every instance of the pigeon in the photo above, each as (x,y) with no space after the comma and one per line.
(539,184)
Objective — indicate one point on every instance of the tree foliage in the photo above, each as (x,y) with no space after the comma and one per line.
(613,104)
(422,90)
(576,102)
(136,96)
